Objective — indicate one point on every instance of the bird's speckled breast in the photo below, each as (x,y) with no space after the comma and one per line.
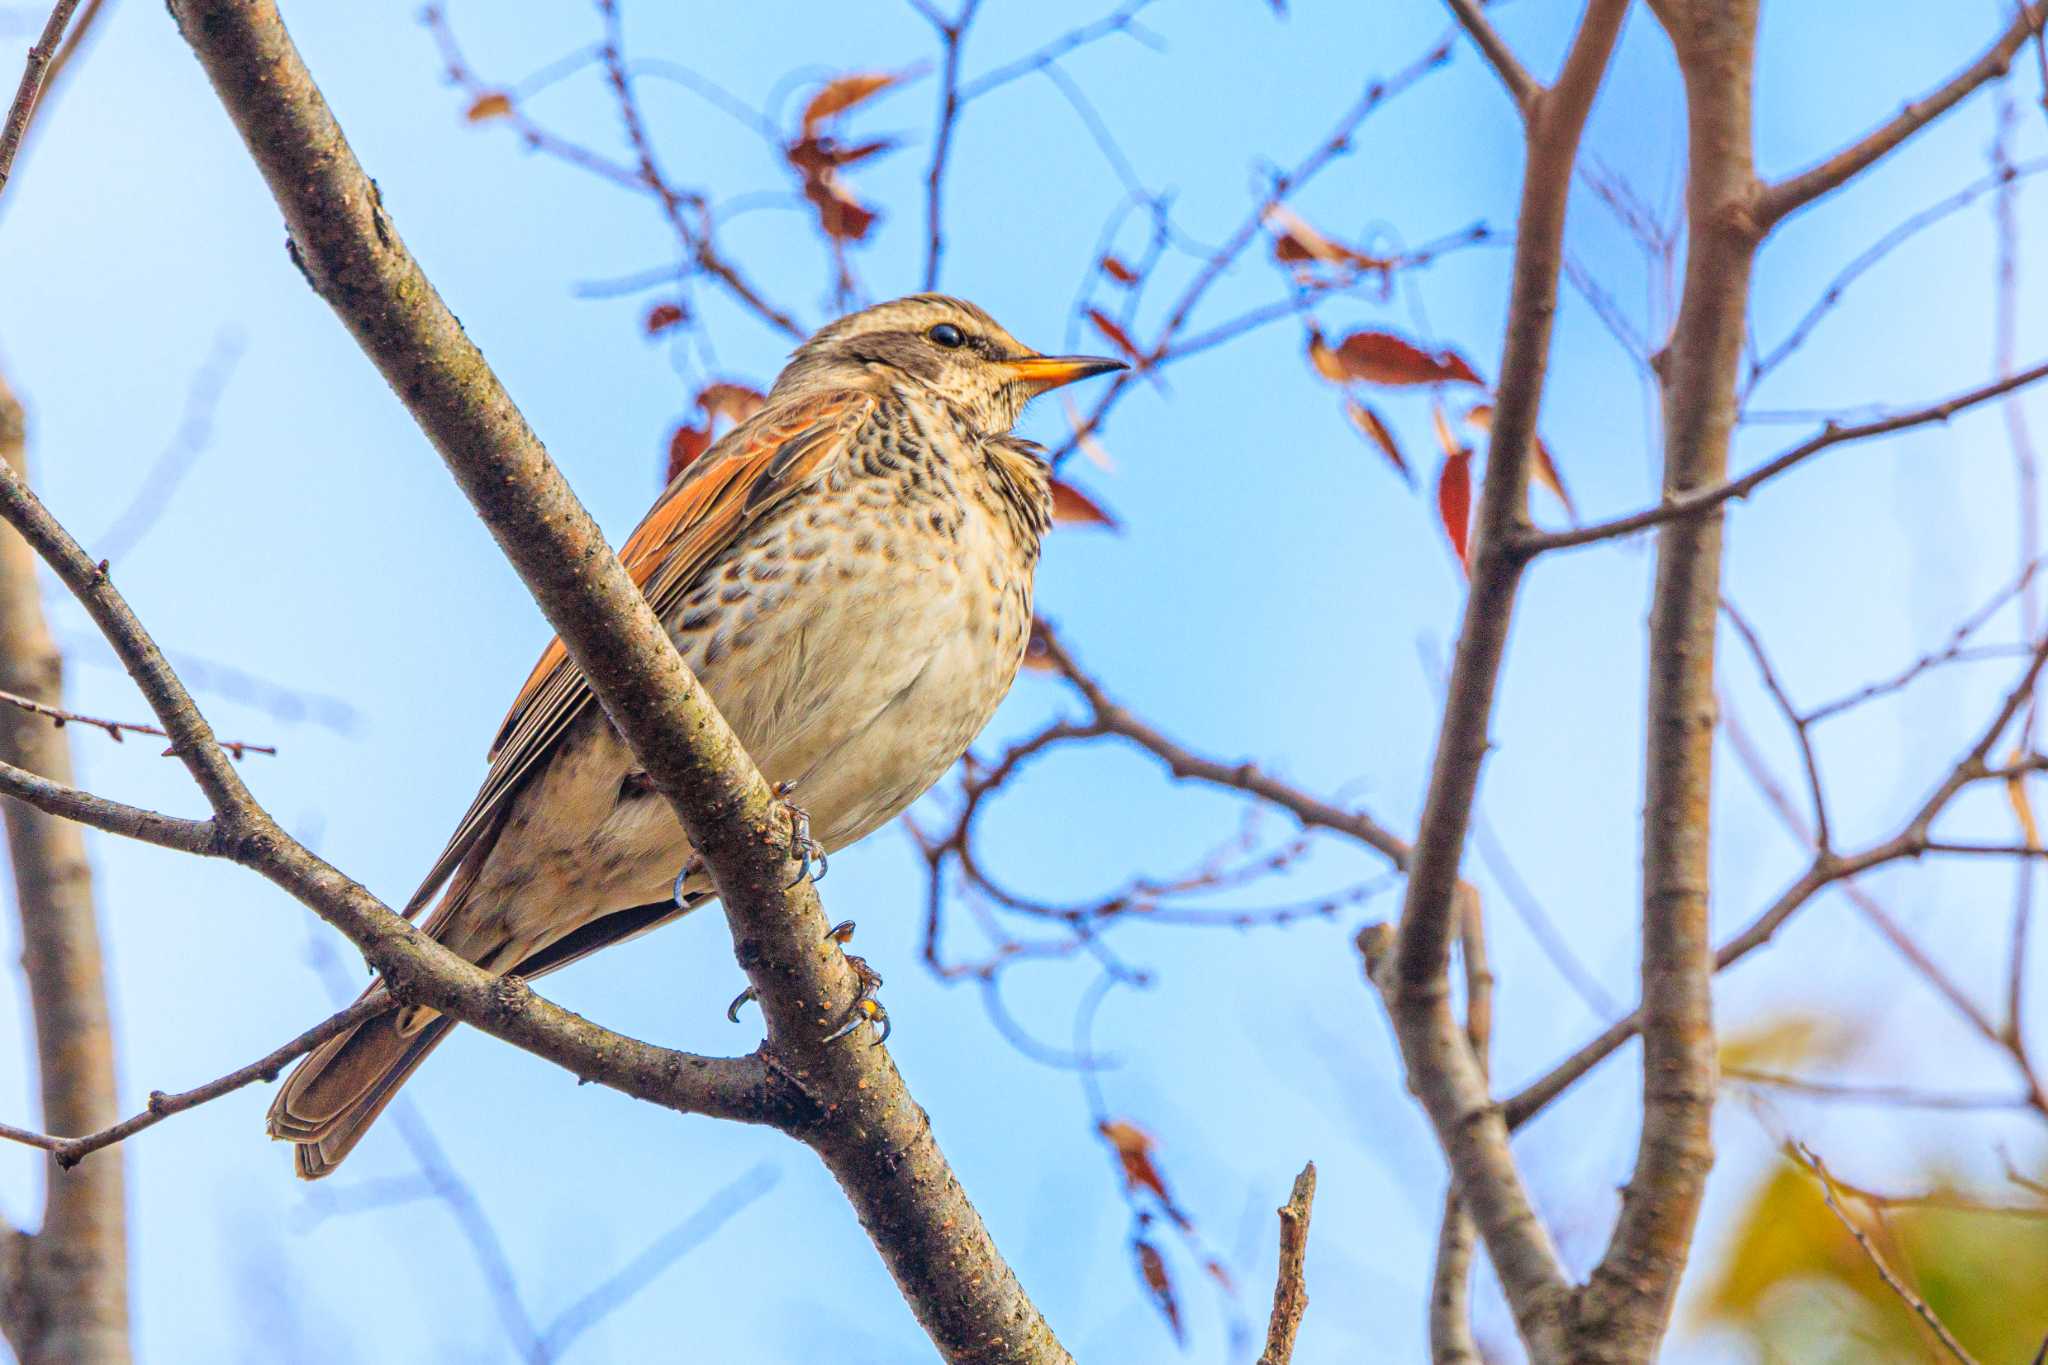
(859,640)
(856,640)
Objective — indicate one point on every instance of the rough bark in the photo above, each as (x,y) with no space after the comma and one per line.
(63,1288)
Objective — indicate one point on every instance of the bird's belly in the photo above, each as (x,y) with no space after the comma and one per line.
(859,678)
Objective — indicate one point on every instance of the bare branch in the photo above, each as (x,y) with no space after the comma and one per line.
(1877,1261)
(1824,872)
(1442,1069)
(1290,1287)
(1522,87)
(1313,812)
(1887,1096)
(70,1151)
(1285,185)
(1795,192)
(25,95)
(115,729)
(951,33)
(1678,506)
(1450,1293)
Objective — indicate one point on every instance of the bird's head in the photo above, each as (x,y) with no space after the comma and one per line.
(944,346)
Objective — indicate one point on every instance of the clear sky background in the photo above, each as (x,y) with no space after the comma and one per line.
(1276,593)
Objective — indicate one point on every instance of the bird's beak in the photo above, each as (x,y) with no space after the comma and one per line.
(1039,373)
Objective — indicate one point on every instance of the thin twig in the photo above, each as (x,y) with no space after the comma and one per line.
(1795,192)
(951,34)
(1699,501)
(25,95)
(117,728)
(1877,1261)
(1290,1286)
(69,1151)
(1522,87)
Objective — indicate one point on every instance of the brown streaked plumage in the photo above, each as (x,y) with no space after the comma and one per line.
(848,572)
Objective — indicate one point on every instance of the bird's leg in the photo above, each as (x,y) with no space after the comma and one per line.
(802,847)
(865,1008)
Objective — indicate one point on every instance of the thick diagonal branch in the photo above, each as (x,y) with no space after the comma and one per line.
(872,1133)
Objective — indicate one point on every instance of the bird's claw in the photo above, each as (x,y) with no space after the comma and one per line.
(865,1008)
(692,865)
(808,852)
(732,1011)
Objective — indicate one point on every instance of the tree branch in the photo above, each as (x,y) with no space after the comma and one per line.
(1450,1294)
(1442,1070)
(1522,87)
(1679,506)
(866,1126)
(1825,871)
(66,1299)
(1625,1307)
(1290,1287)
(69,1151)
(1877,1261)
(26,94)
(1797,191)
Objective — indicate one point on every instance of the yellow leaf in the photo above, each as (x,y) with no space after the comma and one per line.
(1789,1040)
(2016,792)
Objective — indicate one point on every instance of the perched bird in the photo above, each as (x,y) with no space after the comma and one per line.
(849,573)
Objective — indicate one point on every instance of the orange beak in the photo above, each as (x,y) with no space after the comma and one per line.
(1040,373)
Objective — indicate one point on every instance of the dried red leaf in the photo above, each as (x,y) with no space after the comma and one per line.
(843,93)
(1072,507)
(1118,337)
(1295,242)
(685,445)
(1152,1269)
(1134,1151)
(1114,267)
(1220,1275)
(1454,490)
(489,105)
(839,213)
(1384,358)
(1376,430)
(734,402)
(663,316)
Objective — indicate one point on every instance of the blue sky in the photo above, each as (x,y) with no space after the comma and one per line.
(1274,595)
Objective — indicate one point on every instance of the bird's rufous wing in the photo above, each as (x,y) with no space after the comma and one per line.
(731,487)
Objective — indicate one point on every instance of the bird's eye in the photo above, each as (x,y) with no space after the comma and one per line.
(947,335)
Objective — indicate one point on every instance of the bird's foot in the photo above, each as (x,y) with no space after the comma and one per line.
(865,1008)
(690,868)
(732,1011)
(808,852)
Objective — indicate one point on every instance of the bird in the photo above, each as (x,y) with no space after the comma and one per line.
(848,572)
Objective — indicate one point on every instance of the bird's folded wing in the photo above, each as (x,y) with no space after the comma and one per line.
(733,486)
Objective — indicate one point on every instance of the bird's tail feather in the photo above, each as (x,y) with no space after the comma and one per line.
(328,1102)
